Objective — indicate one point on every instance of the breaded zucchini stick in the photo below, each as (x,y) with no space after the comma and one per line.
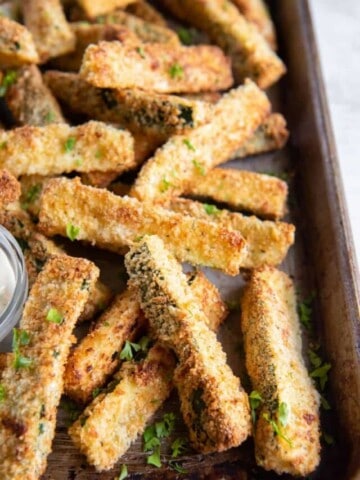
(250,53)
(59,148)
(67,202)
(148,32)
(17,46)
(256,12)
(113,420)
(37,251)
(253,192)
(235,118)
(51,32)
(86,34)
(147,12)
(139,111)
(9,188)
(30,101)
(156,67)
(98,7)
(214,406)
(267,242)
(277,371)
(33,382)
(96,357)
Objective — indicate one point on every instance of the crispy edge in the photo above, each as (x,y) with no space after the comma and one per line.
(17,46)
(9,188)
(32,394)
(202,242)
(223,420)
(279,374)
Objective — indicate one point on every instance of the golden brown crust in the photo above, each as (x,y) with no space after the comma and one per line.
(9,188)
(263,195)
(251,55)
(92,146)
(46,20)
(17,46)
(28,411)
(156,67)
(113,420)
(30,101)
(214,406)
(235,117)
(277,371)
(267,243)
(98,7)
(147,12)
(201,242)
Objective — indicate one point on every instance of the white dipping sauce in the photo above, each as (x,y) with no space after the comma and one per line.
(7,281)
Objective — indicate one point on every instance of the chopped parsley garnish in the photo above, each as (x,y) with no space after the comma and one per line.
(211,209)
(20,339)
(305,311)
(177,467)
(321,373)
(189,145)
(78,162)
(255,401)
(141,52)
(154,458)
(72,232)
(199,167)
(186,36)
(152,437)
(54,316)
(123,472)
(176,71)
(276,428)
(130,349)
(324,403)
(283,414)
(8,79)
(70,144)
(49,117)
(2,393)
(31,195)
(178,447)
(164,185)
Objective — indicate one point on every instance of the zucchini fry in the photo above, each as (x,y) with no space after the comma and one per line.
(235,118)
(277,371)
(9,188)
(147,12)
(96,357)
(214,406)
(267,242)
(113,420)
(139,111)
(67,202)
(87,34)
(256,12)
(52,34)
(93,8)
(253,192)
(250,53)
(156,67)
(148,32)
(30,101)
(58,148)
(33,382)
(17,46)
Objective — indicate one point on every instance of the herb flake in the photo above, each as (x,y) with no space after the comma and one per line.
(176,71)
(123,472)
(72,231)
(211,209)
(54,316)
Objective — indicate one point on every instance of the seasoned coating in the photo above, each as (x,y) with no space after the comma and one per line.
(156,67)
(30,101)
(86,34)
(58,148)
(253,192)
(114,222)
(17,46)
(38,249)
(96,357)
(271,135)
(32,393)
(148,32)
(5,359)
(147,12)
(250,53)
(99,179)
(137,110)
(256,12)
(98,7)
(277,371)
(267,242)
(52,34)
(9,188)
(113,420)
(31,189)
(235,118)
(214,406)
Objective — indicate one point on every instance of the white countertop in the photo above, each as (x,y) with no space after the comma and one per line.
(337,29)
